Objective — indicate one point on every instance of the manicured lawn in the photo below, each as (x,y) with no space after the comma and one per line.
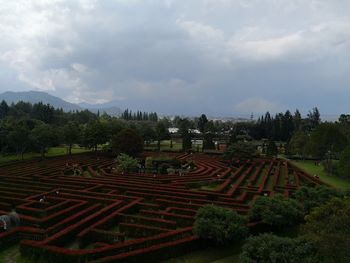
(311,168)
(52,152)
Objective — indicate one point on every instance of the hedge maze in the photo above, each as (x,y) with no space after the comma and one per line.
(102,216)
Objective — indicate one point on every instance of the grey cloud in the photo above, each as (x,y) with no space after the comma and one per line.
(217,57)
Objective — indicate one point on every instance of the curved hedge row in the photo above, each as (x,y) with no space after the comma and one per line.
(105,216)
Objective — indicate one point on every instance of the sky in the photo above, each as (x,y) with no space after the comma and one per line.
(219,57)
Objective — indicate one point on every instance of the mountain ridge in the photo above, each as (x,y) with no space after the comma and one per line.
(57,102)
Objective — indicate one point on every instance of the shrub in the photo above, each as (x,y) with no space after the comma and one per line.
(277,211)
(268,248)
(241,150)
(219,224)
(126,163)
(127,141)
(328,227)
(343,167)
(311,197)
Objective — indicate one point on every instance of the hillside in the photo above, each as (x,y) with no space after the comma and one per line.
(38,96)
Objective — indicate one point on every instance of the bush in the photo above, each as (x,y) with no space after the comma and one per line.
(127,141)
(328,227)
(241,150)
(343,168)
(219,224)
(268,248)
(311,197)
(125,163)
(277,211)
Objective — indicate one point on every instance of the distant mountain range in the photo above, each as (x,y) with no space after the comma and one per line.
(109,107)
(38,96)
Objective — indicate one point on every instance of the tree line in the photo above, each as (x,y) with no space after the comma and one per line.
(139,116)
(26,127)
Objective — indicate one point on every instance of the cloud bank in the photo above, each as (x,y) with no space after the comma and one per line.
(220,57)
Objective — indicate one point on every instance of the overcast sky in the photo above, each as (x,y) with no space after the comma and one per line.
(219,57)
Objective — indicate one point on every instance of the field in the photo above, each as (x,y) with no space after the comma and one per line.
(104,216)
(52,152)
(311,168)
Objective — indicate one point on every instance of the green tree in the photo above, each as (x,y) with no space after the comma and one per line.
(186,141)
(297,144)
(184,126)
(114,126)
(297,120)
(202,122)
(126,163)
(208,142)
(18,137)
(271,149)
(327,137)
(240,149)
(4,109)
(3,138)
(314,118)
(219,224)
(43,112)
(311,197)
(95,133)
(43,136)
(147,132)
(268,248)
(343,169)
(328,226)
(287,126)
(161,133)
(127,141)
(71,134)
(276,211)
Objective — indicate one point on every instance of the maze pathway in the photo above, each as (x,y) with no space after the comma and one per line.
(104,216)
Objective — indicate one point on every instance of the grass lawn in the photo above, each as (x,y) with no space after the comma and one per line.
(13,254)
(52,152)
(311,168)
(164,146)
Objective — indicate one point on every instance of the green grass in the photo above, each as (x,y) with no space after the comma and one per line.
(52,152)
(15,255)
(311,168)
(211,186)
(164,146)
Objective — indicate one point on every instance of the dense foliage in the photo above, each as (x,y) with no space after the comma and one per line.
(241,149)
(127,141)
(311,197)
(343,168)
(328,226)
(219,224)
(126,163)
(276,211)
(268,248)
(305,137)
